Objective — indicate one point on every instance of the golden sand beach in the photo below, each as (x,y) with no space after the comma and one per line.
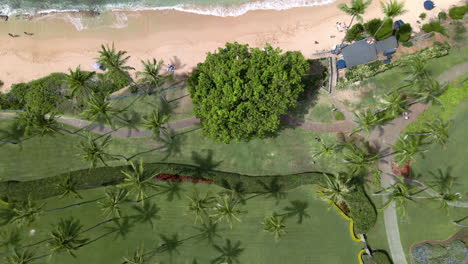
(176,37)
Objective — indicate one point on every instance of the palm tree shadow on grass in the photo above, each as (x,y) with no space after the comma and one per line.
(228,253)
(133,118)
(205,163)
(13,134)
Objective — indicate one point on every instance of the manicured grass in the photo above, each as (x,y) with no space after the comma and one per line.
(322,238)
(289,152)
(382,83)
(450,100)
(319,109)
(451,159)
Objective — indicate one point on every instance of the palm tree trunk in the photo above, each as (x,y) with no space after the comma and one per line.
(73,205)
(349,26)
(457,224)
(99,224)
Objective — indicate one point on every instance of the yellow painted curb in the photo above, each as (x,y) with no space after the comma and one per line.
(361,252)
(351,223)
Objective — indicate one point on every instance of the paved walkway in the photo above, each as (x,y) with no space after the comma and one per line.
(381,139)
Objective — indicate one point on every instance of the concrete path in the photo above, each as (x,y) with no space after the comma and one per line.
(381,139)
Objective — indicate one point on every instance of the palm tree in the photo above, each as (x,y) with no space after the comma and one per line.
(37,123)
(199,205)
(68,187)
(395,103)
(66,236)
(297,208)
(97,108)
(356,10)
(156,122)
(111,205)
(400,194)
(136,258)
(366,121)
(391,10)
(274,190)
(95,151)
(146,213)
(429,91)
(405,149)
(274,225)
(229,253)
(26,212)
(113,60)
(10,238)
(137,180)
(151,76)
(226,208)
(21,257)
(416,67)
(357,158)
(335,188)
(77,81)
(435,129)
(325,150)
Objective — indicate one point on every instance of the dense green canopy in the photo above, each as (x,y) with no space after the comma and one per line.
(239,92)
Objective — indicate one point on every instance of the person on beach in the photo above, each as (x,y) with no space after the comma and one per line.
(29,34)
(339,27)
(170,68)
(13,36)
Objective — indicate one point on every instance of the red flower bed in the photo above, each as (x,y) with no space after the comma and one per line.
(403,171)
(179,178)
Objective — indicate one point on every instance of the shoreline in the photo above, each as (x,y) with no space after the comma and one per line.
(179,38)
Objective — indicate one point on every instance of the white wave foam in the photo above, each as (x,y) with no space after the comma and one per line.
(213,10)
(77,21)
(121,20)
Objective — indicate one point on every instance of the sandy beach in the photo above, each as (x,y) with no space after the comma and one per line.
(176,37)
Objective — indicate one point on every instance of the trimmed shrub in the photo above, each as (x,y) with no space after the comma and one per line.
(362,211)
(407,44)
(404,33)
(356,32)
(339,116)
(423,16)
(386,30)
(1,83)
(459,30)
(458,12)
(372,26)
(442,15)
(434,26)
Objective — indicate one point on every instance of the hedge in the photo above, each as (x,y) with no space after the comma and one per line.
(1,83)
(386,30)
(458,12)
(361,208)
(356,32)
(364,71)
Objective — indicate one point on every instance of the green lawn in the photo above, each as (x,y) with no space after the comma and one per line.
(380,84)
(289,152)
(317,109)
(322,238)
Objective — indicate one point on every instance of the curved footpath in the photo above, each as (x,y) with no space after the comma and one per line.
(124,132)
(381,139)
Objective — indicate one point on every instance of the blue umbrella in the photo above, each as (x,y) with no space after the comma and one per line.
(429,5)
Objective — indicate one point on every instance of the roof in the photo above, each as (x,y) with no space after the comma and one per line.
(386,44)
(359,52)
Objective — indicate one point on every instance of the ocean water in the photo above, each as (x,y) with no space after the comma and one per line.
(205,7)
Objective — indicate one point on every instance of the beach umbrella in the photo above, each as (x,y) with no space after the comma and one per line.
(429,5)
(97,65)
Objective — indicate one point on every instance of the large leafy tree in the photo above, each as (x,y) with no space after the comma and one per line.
(239,92)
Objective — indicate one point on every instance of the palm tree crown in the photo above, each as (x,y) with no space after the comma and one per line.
(405,148)
(275,225)
(137,180)
(66,236)
(113,60)
(335,188)
(151,76)
(393,8)
(356,10)
(226,208)
(98,109)
(155,122)
(95,151)
(111,205)
(77,81)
